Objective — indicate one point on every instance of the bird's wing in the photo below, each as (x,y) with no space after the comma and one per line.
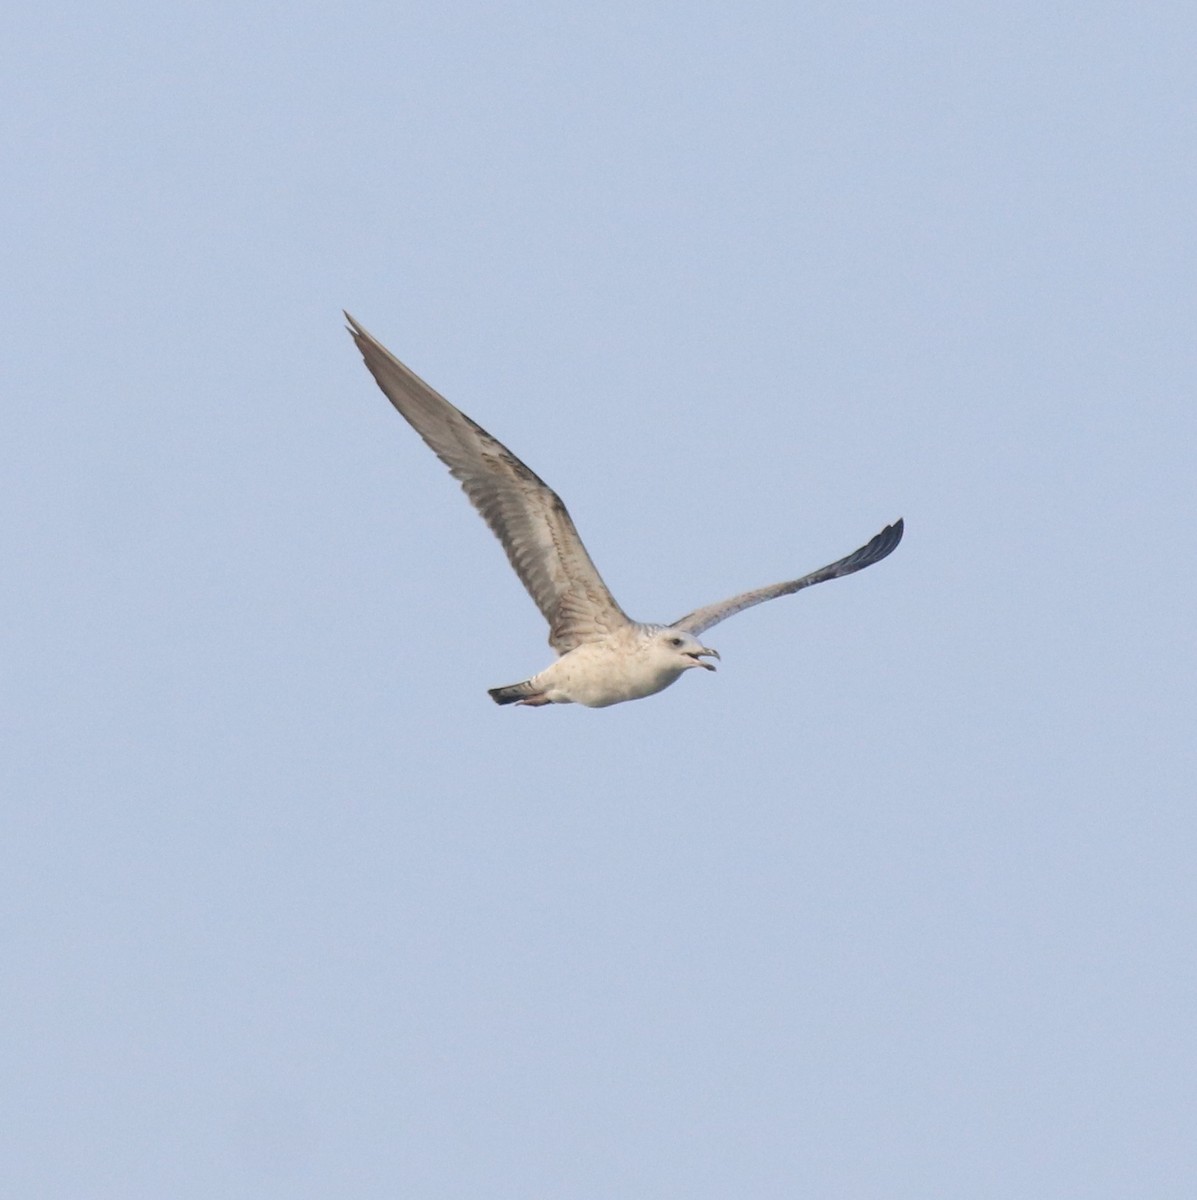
(703,618)
(523,512)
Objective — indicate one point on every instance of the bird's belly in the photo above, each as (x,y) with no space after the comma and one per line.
(599,684)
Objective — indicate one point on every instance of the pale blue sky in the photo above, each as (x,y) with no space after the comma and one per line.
(900,903)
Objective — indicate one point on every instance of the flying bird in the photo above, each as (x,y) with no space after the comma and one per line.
(604,657)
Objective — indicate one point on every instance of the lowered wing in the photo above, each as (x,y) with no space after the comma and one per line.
(703,618)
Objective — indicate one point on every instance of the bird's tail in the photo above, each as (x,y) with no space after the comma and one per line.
(516,693)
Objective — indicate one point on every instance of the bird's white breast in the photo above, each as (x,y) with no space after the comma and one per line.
(610,671)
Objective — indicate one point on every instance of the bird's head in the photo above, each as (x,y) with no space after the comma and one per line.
(681,650)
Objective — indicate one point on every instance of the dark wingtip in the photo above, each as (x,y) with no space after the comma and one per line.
(886,541)
(873,551)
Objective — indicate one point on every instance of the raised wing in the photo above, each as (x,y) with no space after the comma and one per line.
(703,618)
(523,512)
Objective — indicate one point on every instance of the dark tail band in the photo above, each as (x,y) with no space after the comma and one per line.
(513,693)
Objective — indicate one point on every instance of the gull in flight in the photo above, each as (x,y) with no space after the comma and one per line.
(604,657)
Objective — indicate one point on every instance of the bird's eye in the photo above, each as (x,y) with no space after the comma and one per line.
(676,641)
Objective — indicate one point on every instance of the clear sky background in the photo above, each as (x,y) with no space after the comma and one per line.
(900,903)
